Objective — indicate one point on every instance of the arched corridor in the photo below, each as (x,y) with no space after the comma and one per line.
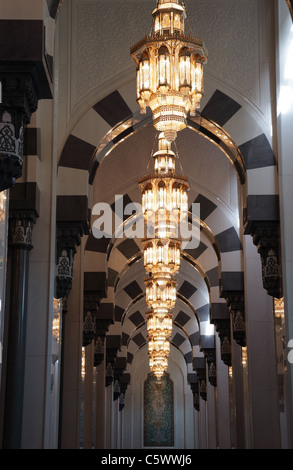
(74,310)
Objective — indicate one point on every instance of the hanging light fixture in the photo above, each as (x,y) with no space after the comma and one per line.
(169,69)
(164,204)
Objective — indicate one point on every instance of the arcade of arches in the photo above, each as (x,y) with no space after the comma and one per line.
(74,361)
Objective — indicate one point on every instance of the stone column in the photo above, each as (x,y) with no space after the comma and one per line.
(19,101)
(200,368)
(211,417)
(193,382)
(113,345)
(100,405)
(72,224)
(104,318)
(208,347)
(238,394)
(233,292)
(119,367)
(262,369)
(223,407)
(21,222)
(88,397)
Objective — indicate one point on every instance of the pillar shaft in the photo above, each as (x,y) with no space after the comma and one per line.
(262,373)
(20,232)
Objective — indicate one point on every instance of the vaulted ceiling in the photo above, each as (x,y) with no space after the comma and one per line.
(106,144)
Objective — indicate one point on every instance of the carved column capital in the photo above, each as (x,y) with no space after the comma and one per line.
(193,382)
(199,366)
(210,355)
(202,381)
(223,329)
(71,224)
(89,328)
(94,291)
(195,393)
(23,214)
(99,350)
(20,231)
(68,239)
(104,318)
(19,101)
(113,345)
(236,305)
(261,220)
(20,95)
(91,302)
(124,382)
(266,237)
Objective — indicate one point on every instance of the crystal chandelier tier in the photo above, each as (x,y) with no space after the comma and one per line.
(164,204)
(169,69)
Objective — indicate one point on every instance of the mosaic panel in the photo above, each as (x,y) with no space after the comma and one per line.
(158,412)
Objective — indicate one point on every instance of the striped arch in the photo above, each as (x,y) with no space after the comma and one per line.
(226,124)
(123,254)
(223,121)
(111,121)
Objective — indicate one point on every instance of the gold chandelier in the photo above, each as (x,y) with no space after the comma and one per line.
(169,69)
(164,204)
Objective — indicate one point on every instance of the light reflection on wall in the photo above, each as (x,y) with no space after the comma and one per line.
(3,255)
(83,363)
(285,98)
(280,334)
(56,318)
(279,315)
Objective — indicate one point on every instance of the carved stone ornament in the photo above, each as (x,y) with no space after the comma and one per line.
(196,401)
(203,389)
(99,351)
(121,401)
(223,329)
(90,303)
(210,355)
(11,152)
(212,374)
(20,100)
(64,273)
(201,374)
(20,231)
(195,393)
(116,390)
(236,305)
(89,329)
(67,240)
(109,374)
(267,240)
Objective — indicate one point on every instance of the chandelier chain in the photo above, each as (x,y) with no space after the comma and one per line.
(187,17)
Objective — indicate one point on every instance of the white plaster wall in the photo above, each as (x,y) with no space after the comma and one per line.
(285,145)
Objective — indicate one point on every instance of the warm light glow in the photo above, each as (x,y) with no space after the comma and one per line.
(279,307)
(244,356)
(164,201)
(56,318)
(169,82)
(170,70)
(83,363)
